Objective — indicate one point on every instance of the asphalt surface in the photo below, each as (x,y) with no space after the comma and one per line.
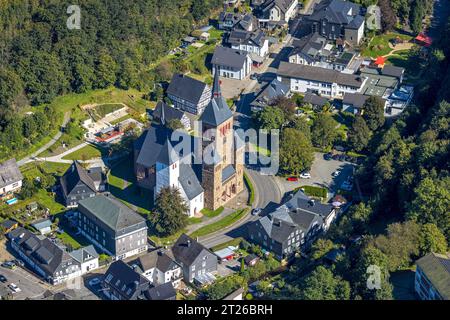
(54,139)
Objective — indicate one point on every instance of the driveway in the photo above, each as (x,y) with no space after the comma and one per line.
(48,145)
(321,171)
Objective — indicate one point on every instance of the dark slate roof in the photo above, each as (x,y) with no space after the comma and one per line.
(73,176)
(335,11)
(151,142)
(156,259)
(164,291)
(250,257)
(85,254)
(47,255)
(282,4)
(238,37)
(356,22)
(299,71)
(111,212)
(228,172)
(186,88)
(186,250)
(167,112)
(167,155)
(314,99)
(271,91)
(357,100)
(311,45)
(125,280)
(297,213)
(9,173)
(217,111)
(229,57)
(436,268)
(189,181)
(393,71)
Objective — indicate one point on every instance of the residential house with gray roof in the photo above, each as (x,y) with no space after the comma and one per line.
(49,260)
(432,279)
(112,227)
(188,94)
(198,263)
(164,291)
(325,82)
(121,282)
(292,226)
(253,42)
(279,11)
(237,21)
(10,179)
(78,183)
(231,63)
(315,50)
(336,19)
(271,91)
(159,268)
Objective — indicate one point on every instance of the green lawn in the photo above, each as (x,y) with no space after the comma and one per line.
(379,45)
(122,184)
(86,153)
(103,109)
(120,119)
(218,225)
(251,190)
(212,213)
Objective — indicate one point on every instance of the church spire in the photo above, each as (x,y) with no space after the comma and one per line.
(217,93)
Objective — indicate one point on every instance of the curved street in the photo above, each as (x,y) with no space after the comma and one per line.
(268,194)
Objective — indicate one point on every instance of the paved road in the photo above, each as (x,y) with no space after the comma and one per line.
(30,285)
(49,144)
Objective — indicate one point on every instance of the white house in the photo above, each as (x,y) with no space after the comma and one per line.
(10,179)
(49,260)
(321,81)
(255,43)
(158,268)
(231,63)
(279,10)
(171,171)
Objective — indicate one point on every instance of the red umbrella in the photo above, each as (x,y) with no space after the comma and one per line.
(380,61)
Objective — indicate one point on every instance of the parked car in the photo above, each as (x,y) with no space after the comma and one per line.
(94,281)
(256,211)
(328,156)
(335,157)
(9,265)
(14,288)
(292,179)
(341,157)
(19,263)
(336,173)
(305,175)
(3,278)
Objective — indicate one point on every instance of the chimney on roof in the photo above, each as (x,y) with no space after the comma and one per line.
(188,243)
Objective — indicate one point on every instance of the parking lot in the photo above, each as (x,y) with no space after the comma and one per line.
(321,174)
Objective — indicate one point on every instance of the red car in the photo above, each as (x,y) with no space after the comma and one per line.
(292,179)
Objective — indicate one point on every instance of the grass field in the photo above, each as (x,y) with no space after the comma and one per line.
(122,184)
(379,45)
(86,153)
(212,213)
(221,224)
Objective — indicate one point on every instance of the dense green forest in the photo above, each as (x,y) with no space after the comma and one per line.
(40,58)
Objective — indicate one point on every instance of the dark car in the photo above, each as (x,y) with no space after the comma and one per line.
(328,156)
(348,158)
(335,157)
(3,278)
(341,157)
